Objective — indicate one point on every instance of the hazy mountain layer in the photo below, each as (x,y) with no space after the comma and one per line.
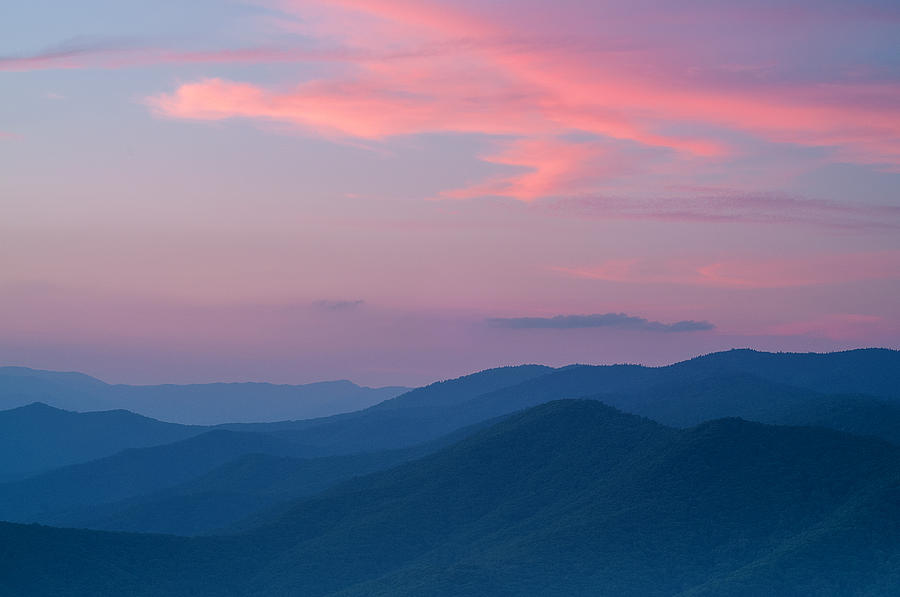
(195,404)
(207,482)
(569,498)
(131,473)
(38,437)
(140,492)
(734,383)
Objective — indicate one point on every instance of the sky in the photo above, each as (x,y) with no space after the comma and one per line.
(399,191)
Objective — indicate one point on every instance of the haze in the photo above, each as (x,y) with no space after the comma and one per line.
(394,192)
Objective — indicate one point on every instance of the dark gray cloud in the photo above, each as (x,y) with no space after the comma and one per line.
(330,305)
(619,321)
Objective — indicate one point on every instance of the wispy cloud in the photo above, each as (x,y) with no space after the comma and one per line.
(445,67)
(75,52)
(538,93)
(620,321)
(88,52)
(732,207)
(338,305)
(747,273)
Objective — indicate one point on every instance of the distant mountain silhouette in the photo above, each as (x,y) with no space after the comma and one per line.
(418,416)
(20,386)
(431,398)
(142,492)
(568,498)
(871,371)
(196,404)
(457,391)
(38,437)
(733,383)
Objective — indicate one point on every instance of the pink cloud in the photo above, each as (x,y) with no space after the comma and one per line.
(554,167)
(747,273)
(362,108)
(634,74)
(490,72)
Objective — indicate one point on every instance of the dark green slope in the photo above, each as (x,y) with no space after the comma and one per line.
(860,415)
(497,478)
(39,561)
(852,552)
(611,502)
(38,437)
(569,498)
(845,552)
(227,494)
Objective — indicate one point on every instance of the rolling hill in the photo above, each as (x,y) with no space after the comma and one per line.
(195,486)
(734,383)
(131,473)
(217,491)
(568,498)
(572,496)
(38,437)
(680,395)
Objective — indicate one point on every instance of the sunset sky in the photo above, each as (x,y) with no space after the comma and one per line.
(398,191)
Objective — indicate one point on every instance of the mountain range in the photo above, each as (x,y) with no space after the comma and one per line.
(738,473)
(193,404)
(568,498)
